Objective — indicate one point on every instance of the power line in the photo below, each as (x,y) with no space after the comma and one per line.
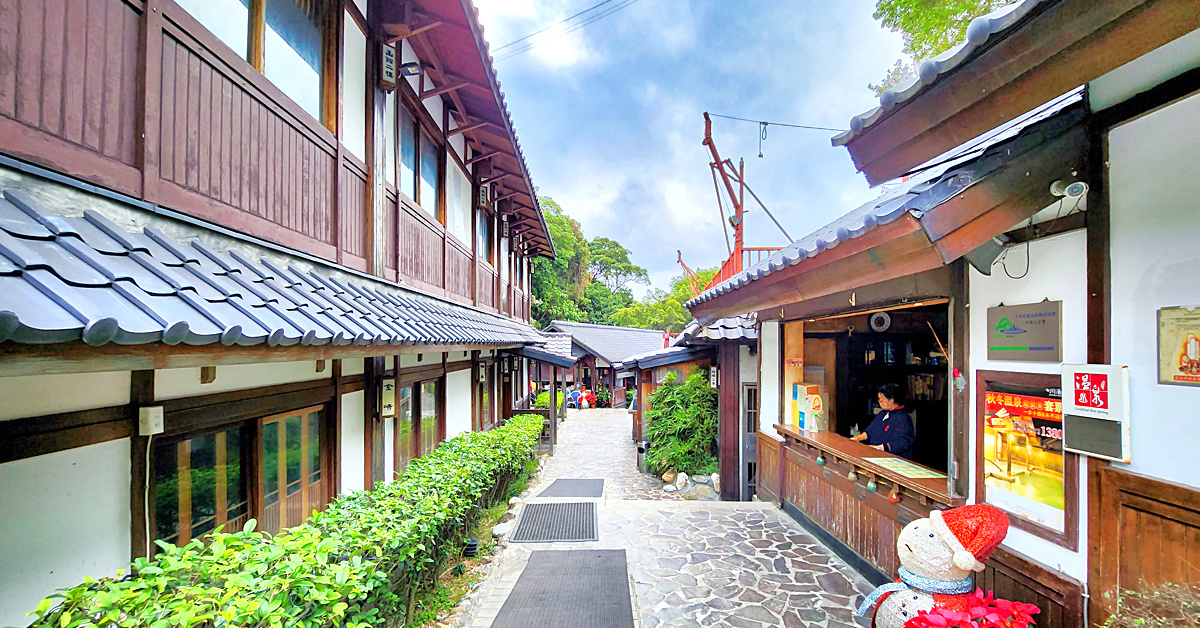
(766,123)
(562,21)
(590,19)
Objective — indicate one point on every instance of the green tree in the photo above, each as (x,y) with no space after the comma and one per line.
(558,284)
(661,309)
(929,27)
(599,304)
(609,264)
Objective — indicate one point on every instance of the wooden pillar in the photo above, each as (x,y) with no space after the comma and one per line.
(729,445)
(141,393)
(553,408)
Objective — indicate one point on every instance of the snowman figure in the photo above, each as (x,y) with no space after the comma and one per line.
(938,558)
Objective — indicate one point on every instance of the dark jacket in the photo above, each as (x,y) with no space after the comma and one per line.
(894,430)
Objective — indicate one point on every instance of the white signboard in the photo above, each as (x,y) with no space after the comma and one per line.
(1096,410)
(388,406)
(387,67)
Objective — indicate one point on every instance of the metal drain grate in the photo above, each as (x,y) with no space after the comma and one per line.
(564,487)
(552,523)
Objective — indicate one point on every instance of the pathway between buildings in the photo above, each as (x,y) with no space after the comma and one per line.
(691,563)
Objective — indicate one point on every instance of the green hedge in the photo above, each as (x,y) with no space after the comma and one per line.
(681,423)
(542,401)
(357,563)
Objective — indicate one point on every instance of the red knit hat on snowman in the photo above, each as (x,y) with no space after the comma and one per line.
(973,532)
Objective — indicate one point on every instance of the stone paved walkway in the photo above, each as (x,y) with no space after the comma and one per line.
(691,563)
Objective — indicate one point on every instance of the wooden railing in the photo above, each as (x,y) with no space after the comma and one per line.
(742,258)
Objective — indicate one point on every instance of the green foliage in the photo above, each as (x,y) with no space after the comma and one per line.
(663,310)
(542,401)
(609,264)
(603,395)
(682,425)
(599,304)
(358,563)
(929,27)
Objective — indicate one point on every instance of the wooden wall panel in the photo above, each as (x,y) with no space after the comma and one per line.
(767,468)
(353,217)
(486,287)
(230,145)
(1014,577)
(69,76)
(421,256)
(458,273)
(391,233)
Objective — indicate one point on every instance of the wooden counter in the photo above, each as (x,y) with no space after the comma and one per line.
(824,477)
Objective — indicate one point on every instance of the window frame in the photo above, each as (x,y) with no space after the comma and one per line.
(1069,536)
(260,478)
(408,100)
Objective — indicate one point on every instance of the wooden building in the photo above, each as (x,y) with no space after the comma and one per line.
(597,348)
(239,232)
(1043,171)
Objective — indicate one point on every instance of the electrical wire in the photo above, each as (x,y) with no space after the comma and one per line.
(765,123)
(146,498)
(590,20)
(558,23)
(721,207)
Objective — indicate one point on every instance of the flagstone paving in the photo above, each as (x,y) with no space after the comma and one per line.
(691,563)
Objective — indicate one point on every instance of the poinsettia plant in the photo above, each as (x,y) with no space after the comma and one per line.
(982,611)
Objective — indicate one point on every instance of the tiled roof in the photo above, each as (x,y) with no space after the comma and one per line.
(979,32)
(85,278)
(610,342)
(662,357)
(558,343)
(941,179)
(733,328)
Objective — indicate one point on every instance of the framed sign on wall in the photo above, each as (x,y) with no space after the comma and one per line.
(1029,333)
(1179,345)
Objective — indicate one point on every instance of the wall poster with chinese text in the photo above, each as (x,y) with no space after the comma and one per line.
(1179,345)
(1022,451)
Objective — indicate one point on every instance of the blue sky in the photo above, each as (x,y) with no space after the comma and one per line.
(610,116)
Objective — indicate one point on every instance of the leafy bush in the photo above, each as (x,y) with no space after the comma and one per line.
(543,400)
(1168,604)
(358,563)
(682,425)
(603,397)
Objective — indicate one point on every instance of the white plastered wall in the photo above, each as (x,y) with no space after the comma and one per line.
(65,516)
(185,382)
(1154,201)
(1057,271)
(768,386)
(458,403)
(353,414)
(389,449)
(38,395)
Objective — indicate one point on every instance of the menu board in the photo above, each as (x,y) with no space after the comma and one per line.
(1179,345)
(906,468)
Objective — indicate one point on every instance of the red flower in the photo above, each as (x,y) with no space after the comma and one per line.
(982,611)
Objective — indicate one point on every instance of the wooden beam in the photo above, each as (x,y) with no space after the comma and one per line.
(400,32)
(1067,45)
(445,89)
(472,126)
(485,156)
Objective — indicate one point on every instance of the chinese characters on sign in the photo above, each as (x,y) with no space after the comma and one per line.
(1091,390)
(1096,410)
(1022,452)
(1029,333)
(1179,345)
(387,405)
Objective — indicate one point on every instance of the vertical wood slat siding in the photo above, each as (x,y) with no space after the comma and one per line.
(226,143)
(421,256)
(458,277)
(1014,577)
(354,212)
(487,286)
(767,468)
(68,68)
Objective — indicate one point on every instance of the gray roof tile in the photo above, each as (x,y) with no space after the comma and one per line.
(65,279)
(611,342)
(734,328)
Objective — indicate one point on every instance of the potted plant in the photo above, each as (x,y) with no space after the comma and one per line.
(981,611)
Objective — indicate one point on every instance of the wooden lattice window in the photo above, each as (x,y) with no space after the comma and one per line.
(291,469)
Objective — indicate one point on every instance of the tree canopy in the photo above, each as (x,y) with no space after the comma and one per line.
(662,309)
(929,27)
(609,264)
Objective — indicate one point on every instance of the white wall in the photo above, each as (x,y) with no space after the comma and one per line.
(353,416)
(38,395)
(458,403)
(177,383)
(1057,271)
(1155,213)
(354,366)
(65,516)
(768,387)
(389,449)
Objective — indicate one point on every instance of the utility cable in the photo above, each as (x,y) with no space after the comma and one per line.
(720,207)
(760,203)
(558,23)
(764,124)
(590,20)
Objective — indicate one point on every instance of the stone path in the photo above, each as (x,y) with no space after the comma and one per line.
(742,564)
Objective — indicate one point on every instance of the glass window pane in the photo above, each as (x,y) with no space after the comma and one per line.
(199,485)
(292,50)
(270,466)
(408,154)
(485,236)
(429,174)
(166,493)
(295,451)
(354,88)
(389,138)
(404,428)
(429,418)
(458,205)
(229,20)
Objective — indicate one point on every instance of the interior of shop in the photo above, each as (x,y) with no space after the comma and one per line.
(844,360)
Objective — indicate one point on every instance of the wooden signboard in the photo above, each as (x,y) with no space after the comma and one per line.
(1179,346)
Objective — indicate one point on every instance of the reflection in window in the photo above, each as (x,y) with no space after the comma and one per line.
(199,484)
(429,174)
(408,154)
(485,236)
(405,447)
(292,50)
(354,88)
(389,138)
(291,463)
(429,416)
(505,278)
(458,204)
(229,20)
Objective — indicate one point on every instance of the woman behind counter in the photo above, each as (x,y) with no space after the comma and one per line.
(892,430)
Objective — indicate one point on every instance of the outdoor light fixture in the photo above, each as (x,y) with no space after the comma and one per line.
(412,68)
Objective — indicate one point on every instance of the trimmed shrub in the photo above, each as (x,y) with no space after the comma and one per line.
(358,563)
(542,401)
(682,425)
